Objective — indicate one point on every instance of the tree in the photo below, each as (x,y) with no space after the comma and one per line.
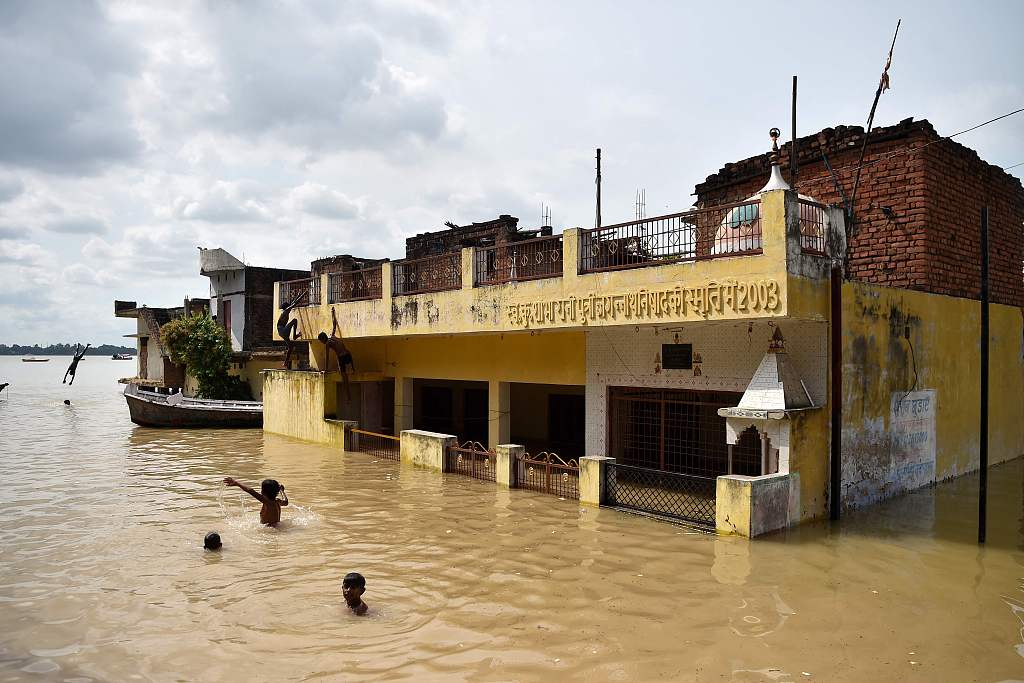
(204,348)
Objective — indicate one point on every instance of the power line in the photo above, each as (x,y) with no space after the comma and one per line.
(1007,168)
(854,167)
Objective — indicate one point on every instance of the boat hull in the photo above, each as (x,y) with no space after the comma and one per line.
(149,412)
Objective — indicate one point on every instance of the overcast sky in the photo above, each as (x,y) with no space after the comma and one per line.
(131,134)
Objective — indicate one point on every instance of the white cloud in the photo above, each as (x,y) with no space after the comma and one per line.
(67,72)
(82,225)
(10,187)
(12,232)
(224,202)
(320,200)
(151,251)
(22,253)
(81,274)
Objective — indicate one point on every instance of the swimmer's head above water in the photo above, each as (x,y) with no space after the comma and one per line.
(212,541)
(270,488)
(352,588)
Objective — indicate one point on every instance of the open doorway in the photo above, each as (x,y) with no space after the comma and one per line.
(452,407)
(548,417)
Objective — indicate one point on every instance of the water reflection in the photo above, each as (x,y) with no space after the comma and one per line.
(103,575)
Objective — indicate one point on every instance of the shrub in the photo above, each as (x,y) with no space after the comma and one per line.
(204,348)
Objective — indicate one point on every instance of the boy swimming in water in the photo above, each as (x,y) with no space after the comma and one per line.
(352,588)
(270,513)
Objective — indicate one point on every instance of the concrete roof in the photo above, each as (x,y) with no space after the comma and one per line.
(217,260)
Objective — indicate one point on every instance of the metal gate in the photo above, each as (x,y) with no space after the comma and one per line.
(681,496)
(472,459)
(672,430)
(380,445)
(548,473)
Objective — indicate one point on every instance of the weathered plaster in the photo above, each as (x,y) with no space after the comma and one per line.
(879,364)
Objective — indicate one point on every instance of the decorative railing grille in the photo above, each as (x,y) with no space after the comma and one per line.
(380,445)
(726,230)
(548,473)
(354,285)
(812,227)
(527,260)
(307,290)
(472,459)
(680,496)
(429,274)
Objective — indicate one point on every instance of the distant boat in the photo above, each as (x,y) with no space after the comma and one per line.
(122,356)
(150,409)
(34,359)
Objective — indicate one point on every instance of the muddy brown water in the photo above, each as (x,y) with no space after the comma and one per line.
(103,576)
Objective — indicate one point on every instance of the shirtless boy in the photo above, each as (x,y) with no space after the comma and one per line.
(270,513)
(352,588)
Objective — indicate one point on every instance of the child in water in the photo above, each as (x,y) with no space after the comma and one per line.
(352,588)
(270,513)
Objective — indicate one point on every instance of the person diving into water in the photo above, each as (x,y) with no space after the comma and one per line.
(79,355)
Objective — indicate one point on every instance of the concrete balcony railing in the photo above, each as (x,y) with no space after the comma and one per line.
(724,262)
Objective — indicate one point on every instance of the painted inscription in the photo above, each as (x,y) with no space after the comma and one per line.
(711,299)
(912,429)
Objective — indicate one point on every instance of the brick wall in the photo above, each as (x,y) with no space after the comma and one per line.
(497,231)
(260,315)
(917,212)
(341,263)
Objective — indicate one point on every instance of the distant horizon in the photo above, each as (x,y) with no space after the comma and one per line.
(63,348)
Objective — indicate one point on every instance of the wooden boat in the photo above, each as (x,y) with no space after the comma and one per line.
(33,359)
(121,356)
(150,409)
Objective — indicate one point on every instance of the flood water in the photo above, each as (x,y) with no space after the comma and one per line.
(103,576)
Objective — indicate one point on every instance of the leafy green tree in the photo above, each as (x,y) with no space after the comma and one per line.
(204,348)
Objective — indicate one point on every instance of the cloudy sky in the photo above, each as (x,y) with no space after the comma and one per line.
(130,134)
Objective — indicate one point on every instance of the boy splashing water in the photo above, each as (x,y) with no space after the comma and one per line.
(270,513)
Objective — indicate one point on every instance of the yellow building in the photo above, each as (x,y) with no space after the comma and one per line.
(681,362)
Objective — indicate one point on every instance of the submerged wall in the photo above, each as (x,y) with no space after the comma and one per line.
(911,407)
(294,405)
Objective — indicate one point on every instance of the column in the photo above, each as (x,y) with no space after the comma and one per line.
(570,256)
(403,404)
(593,473)
(499,419)
(506,463)
(468,255)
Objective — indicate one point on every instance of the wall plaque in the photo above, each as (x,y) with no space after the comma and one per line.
(677,356)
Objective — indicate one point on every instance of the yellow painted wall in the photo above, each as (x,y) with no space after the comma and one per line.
(877,361)
(486,309)
(293,405)
(550,357)
(251,375)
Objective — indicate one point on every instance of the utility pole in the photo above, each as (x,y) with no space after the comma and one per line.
(983,437)
(792,144)
(597,223)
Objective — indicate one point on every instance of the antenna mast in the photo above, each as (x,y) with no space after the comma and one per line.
(598,218)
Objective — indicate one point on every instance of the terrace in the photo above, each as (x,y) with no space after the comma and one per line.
(721,262)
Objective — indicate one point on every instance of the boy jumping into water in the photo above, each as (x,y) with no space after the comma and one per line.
(352,588)
(270,513)
(73,368)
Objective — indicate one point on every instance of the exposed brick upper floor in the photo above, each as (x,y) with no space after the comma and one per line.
(917,210)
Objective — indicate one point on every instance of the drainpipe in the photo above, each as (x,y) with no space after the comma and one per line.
(836,333)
